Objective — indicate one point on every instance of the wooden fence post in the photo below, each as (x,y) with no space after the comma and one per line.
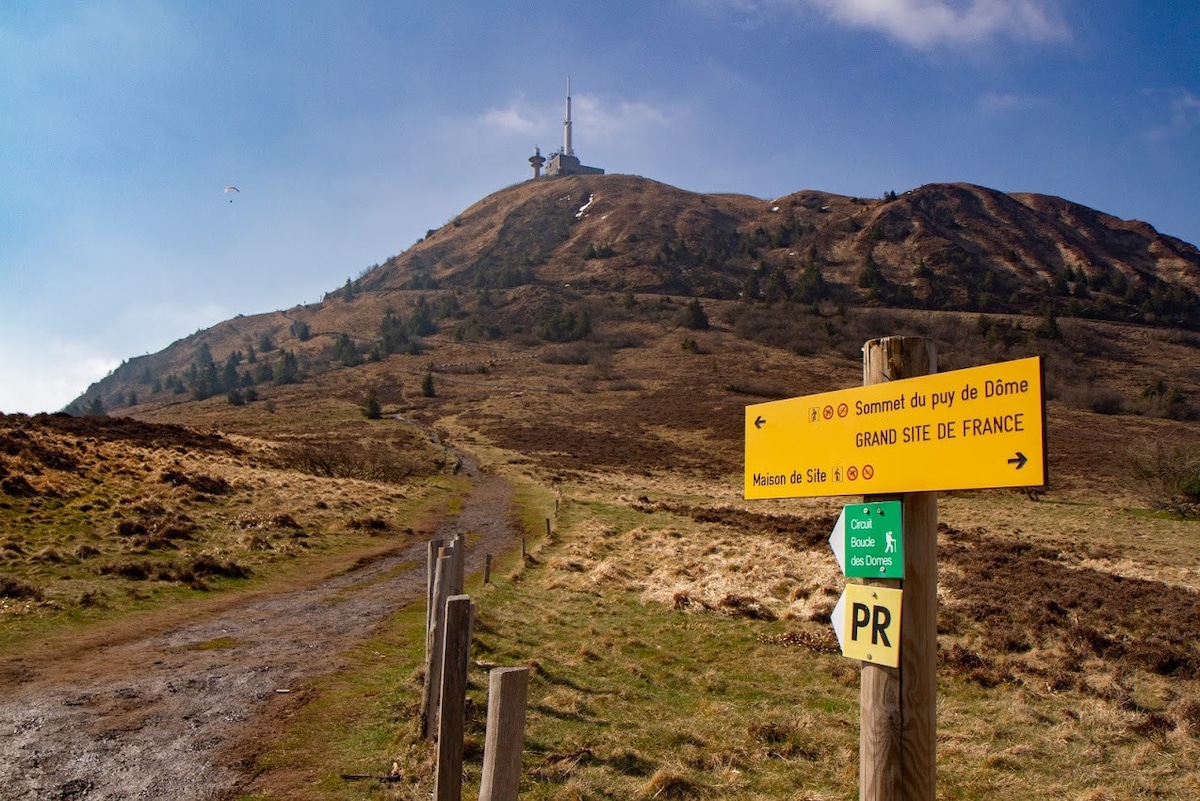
(898,706)
(434,648)
(431,558)
(458,554)
(487,569)
(453,706)
(508,692)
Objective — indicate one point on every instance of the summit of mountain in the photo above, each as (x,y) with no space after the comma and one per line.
(945,246)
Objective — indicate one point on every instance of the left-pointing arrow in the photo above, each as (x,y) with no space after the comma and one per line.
(759,422)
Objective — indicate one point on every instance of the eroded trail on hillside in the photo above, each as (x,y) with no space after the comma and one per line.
(164,714)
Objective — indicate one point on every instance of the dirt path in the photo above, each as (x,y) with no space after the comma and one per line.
(157,715)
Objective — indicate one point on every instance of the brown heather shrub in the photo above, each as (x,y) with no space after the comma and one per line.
(204,484)
(17,589)
(208,565)
(372,461)
(1187,712)
(575,353)
(368,524)
(17,487)
(134,571)
(1171,478)
(744,606)
(668,784)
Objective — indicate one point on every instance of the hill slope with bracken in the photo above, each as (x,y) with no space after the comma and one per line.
(941,247)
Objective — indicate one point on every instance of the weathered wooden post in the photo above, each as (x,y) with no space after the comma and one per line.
(487,569)
(452,713)
(431,557)
(898,706)
(434,648)
(458,554)
(508,693)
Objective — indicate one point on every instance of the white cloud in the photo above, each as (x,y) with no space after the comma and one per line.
(593,117)
(622,119)
(926,24)
(48,376)
(517,118)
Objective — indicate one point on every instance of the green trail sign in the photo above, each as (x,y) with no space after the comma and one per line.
(868,540)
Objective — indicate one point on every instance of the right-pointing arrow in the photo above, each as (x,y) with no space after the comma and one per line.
(1019,460)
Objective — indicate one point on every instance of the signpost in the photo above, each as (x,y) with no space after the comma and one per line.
(907,433)
(868,540)
(976,428)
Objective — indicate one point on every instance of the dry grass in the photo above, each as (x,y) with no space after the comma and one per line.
(116,514)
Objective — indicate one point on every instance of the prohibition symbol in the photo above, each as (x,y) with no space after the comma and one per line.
(851,473)
(868,472)
(828,412)
(843,409)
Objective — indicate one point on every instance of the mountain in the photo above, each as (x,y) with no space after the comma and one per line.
(540,245)
(949,246)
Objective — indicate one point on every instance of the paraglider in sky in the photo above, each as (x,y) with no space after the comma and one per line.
(229,189)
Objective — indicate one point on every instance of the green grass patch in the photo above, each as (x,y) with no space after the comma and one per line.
(216,644)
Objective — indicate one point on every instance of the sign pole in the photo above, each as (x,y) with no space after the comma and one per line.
(898,706)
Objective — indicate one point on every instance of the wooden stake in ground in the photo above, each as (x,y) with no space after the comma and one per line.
(434,648)
(453,706)
(458,555)
(898,706)
(508,691)
(431,557)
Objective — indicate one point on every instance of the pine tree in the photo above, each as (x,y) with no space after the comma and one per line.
(372,409)
(694,317)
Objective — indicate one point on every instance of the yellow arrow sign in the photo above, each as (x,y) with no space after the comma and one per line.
(965,429)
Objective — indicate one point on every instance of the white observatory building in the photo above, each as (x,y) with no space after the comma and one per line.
(564,162)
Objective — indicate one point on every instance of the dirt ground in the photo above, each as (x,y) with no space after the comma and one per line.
(178,709)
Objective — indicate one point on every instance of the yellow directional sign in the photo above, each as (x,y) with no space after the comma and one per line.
(966,429)
(866,621)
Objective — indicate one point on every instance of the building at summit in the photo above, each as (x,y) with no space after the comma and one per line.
(564,161)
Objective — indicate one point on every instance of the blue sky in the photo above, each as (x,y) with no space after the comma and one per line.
(350,128)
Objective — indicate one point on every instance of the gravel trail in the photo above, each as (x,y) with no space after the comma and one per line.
(163,714)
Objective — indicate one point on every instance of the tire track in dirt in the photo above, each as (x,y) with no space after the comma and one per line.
(164,714)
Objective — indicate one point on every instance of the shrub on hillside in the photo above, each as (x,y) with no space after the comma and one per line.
(17,589)
(577,353)
(693,316)
(566,325)
(1171,476)
(373,461)
(371,408)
